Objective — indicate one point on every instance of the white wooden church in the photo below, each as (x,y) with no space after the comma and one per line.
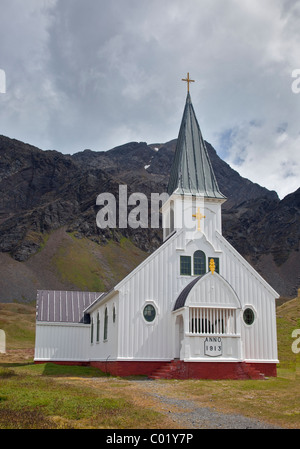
(195,308)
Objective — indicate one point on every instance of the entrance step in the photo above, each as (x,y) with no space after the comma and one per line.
(246,371)
(174,369)
(166,371)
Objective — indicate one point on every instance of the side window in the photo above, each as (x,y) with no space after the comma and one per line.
(98,328)
(248,316)
(185,265)
(105,325)
(149,313)
(92,330)
(199,263)
(114,314)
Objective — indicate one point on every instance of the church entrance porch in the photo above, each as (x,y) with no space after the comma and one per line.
(207,333)
(211,314)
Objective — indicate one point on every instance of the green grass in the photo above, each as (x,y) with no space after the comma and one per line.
(45,397)
(52,369)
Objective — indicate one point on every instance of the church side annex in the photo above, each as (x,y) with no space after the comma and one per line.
(195,308)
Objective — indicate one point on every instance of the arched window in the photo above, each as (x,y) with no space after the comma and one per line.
(114,314)
(105,324)
(98,327)
(199,263)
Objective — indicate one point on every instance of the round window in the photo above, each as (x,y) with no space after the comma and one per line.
(248,316)
(149,313)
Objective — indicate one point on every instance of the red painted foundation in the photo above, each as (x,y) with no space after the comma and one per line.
(63,363)
(177,369)
(124,369)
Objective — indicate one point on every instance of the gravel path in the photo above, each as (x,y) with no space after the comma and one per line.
(189,415)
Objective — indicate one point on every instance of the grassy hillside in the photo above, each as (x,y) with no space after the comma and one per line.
(87,266)
(18,323)
(288,319)
(67,263)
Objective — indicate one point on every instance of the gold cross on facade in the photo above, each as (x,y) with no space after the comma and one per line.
(188,80)
(199,217)
(212,266)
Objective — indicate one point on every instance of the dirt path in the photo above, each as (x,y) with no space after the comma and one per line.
(184,413)
(188,414)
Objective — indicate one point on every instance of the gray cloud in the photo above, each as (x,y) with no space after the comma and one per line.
(96,74)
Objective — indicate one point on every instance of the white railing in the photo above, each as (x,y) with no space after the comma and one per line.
(212,321)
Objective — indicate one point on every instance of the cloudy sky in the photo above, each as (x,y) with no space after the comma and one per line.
(96,74)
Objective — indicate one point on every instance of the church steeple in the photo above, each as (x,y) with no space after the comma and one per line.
(194,198)
(192,172)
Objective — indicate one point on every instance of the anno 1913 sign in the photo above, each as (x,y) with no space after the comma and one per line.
(213,346)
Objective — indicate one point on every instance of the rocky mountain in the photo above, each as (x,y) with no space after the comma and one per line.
(48,204)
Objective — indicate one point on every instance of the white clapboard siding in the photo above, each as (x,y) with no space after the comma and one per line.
(61,342)
(260,339)
(101,349)
(158,280)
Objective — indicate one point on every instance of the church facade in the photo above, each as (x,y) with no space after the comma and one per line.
(195,308)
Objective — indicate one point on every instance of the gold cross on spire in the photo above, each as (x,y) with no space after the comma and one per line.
(199,217)
(188,80)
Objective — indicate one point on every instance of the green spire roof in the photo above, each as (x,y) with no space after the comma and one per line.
(192,172)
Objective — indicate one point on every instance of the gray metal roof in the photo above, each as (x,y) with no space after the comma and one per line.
(192,172)
(63,306)
(180,301)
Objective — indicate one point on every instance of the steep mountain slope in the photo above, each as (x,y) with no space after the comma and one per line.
(47,197)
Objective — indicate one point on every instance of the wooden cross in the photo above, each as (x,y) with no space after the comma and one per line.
(188,80)
(199,217)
